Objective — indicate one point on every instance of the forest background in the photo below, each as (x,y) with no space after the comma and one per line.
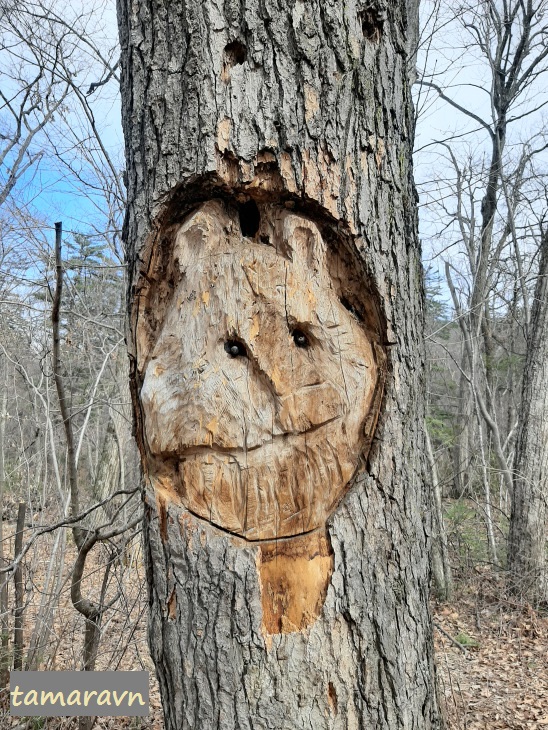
(481,166)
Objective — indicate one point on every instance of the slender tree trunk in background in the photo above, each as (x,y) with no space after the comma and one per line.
(4,622)
(110,468)
(461,451)
(304,107)
(476,368)
(441,567)
(19,591)
(528,537)
(486,489)
(50,596)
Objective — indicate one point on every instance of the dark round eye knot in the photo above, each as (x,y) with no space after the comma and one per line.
(300,339)
(235,348)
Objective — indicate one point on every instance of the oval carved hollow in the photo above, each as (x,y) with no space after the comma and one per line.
(258,377)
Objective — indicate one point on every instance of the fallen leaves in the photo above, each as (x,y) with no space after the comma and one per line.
(503,683)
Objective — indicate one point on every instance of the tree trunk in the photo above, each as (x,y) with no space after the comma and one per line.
(461,450)
(115,451)
(528,537)
(441,567)
(275,294)
(19,591)
(4,610)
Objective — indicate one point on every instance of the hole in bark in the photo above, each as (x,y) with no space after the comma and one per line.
(162,516)
(249,218)
(332,697)
(235,53)
(372,23)
(351,308)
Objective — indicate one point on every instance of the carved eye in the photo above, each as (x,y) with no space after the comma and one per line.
(235,348)
(300,339)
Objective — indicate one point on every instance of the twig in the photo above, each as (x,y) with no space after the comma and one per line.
(64,523)
(448,636)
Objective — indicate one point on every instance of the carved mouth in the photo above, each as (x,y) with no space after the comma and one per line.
(288,438)
(286,489)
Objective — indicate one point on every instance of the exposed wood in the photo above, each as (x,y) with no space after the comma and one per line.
(259,371)
(294,576)
(260,358)
(261,362)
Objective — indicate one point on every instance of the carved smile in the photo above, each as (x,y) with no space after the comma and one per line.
(289,438)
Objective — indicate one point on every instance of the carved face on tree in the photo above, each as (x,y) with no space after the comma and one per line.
(259,371)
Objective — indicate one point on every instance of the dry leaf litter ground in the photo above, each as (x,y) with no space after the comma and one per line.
(491,653)
(499,676)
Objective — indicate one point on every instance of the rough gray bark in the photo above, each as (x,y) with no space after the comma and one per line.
(304,103)
(528,537)
(413,32)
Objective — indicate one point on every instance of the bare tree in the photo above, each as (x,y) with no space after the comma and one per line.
(488,197)
(528,538)
(66,49)
(31,93)
(4,622)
